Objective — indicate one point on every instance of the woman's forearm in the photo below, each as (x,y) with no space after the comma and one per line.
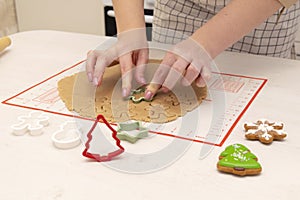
(129,14)
(234,21)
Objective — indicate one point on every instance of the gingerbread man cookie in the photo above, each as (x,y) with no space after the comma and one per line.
(264,131)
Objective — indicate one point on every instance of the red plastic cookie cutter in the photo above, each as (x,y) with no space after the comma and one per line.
(98,157)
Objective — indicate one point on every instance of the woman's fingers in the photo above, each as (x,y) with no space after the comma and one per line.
(96,63)
(191,74)
(126,65)
(90,64)
(176,72)
(160,75)
(104,59)
(204,77)
(141,61)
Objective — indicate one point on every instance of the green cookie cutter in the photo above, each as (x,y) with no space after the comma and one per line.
(138,91)
(131,132)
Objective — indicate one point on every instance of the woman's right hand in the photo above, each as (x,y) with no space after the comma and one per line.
(130,50)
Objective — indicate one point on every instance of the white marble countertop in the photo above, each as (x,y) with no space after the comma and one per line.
(31,168)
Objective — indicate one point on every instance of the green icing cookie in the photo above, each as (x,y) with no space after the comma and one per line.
(240,160)
(237,148)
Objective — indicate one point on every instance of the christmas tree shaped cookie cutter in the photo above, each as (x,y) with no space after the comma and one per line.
(110,155)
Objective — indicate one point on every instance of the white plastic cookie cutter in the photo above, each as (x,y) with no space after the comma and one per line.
(33,123)
(68,136)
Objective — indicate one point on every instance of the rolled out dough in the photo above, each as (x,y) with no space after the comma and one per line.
(80,96)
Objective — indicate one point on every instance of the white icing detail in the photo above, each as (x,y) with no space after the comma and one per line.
(267,136)
(269,128)
(239,156)
(262,127)
(278,124)
(280,132)
(251,132)
(250,124)
(236,146)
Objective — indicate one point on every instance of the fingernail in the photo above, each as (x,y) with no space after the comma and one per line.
(96,82)
(124,92)
(148,95)
(90,77)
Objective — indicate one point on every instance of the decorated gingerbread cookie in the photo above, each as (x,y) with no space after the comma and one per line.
(237,159)
(235,148)
(265,131)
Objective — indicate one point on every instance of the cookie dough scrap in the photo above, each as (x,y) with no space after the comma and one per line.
(76,92)
(238,160)
(265,131)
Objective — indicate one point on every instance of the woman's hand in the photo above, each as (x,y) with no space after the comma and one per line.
(131,50)
(186,62)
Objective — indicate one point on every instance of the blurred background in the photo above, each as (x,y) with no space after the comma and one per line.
(81,16)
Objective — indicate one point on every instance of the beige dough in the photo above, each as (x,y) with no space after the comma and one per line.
(80,96)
